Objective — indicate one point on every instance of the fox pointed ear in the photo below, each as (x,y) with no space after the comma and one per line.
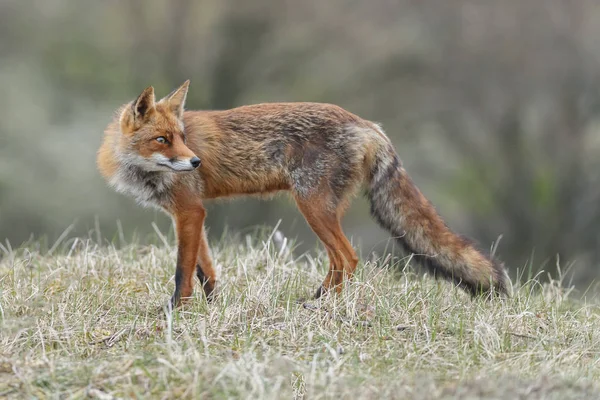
(143,104)
(176,99)
(134,115)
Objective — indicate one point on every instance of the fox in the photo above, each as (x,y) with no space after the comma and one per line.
(174,159)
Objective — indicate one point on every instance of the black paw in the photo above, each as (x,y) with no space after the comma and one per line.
(320,292)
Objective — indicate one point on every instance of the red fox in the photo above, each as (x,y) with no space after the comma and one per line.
(322,154)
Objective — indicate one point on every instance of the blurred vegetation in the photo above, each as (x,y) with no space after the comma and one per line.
(494,107)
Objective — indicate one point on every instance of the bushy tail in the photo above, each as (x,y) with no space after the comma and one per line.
(399,206)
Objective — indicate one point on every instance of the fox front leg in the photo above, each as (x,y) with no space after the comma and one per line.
(204,267)
(189,235)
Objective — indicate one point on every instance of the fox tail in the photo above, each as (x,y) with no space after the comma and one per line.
(400,208)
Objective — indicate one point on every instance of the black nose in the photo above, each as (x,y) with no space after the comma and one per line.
(195,161)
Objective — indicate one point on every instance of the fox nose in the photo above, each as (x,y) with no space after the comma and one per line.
(195,161)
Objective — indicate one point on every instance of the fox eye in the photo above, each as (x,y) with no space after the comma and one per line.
(161,139)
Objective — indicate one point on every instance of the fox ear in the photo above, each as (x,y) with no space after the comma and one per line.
(134,116)
(143,104)
(176,99)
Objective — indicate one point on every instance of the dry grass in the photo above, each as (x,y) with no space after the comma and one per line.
(83,322)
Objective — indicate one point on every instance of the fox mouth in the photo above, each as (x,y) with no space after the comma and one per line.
(176,165)
(178,168)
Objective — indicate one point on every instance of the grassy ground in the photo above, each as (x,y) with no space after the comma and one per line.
(84,322)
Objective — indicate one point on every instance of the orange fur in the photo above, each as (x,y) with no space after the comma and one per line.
(320,153)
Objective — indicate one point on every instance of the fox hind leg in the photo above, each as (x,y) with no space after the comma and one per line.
(326,225)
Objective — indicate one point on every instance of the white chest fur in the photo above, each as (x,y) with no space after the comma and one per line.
(150,189)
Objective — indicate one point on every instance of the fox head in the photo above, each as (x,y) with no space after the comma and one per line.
(152,133)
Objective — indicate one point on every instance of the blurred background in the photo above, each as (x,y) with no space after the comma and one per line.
(494,108)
